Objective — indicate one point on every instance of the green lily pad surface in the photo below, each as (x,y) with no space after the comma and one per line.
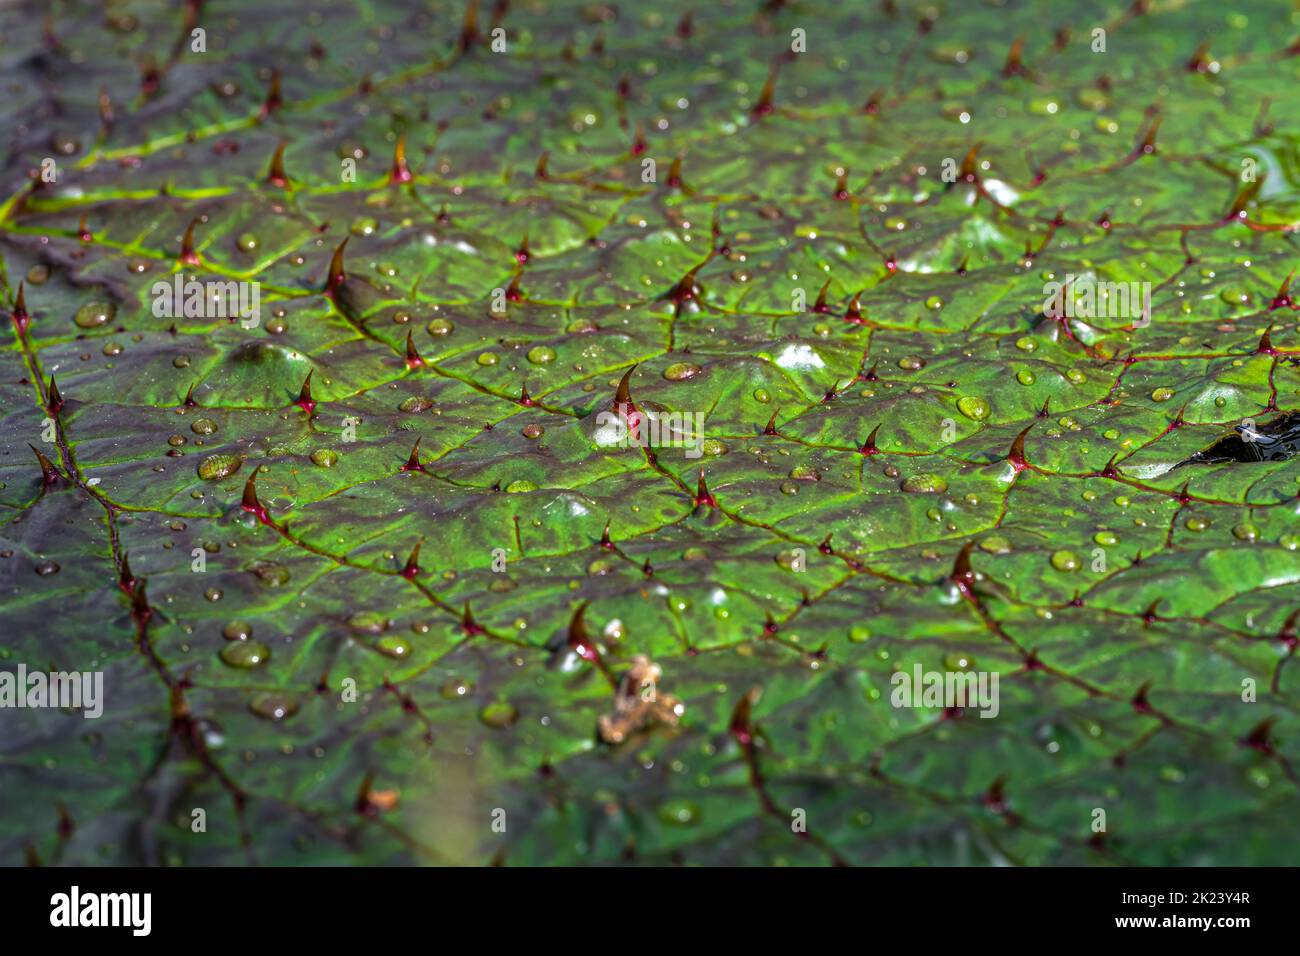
(624,402)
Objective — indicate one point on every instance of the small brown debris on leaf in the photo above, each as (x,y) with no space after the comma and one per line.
(639,703)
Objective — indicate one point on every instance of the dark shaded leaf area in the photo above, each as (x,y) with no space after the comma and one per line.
(908,461)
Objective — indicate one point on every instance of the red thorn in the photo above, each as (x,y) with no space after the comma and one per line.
(1247,192)
(674,180)
(304,399)
(623,394)
(273,101)
(413,460)
(686,288)
(525,399)
(1260,736)
(605,541)
(963,575)
(513,292)
(49,474)
(825,546)
(841,186)
(1017,453)
(469,27)
(741,727)
(869,446)
(764,104)
(1265,346)
(702,495)
(995,798)
(189,401)
(400,173)
(468,624)
(1013,66)
(1147,144)
(19,314)
(521,254)
(854,312)
(639,144)
(83,230)
(1149,616)
(55,399)
(541,170)
(969,168)
(1046,410)
(770,428)
(413,360)
(1140,703)
(276,175)
(579,640)
(412,567)
(250,502)
(336,275)
(188,256)
(1283,298)
(1200,60)
(821,306)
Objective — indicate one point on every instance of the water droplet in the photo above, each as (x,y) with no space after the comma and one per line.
(274,706)
(45,568)
(520,485)
(487,358)
(237,631)
(368,622)
(440,327)
(1246,532)
(973,408)
(393,646)
(541,355)
(1106,539)
(217,467)
(499,714)
(454,688)
(1162,394)
(1026,344)
(1026,377)
(245,654)
(957,661)
(271,574)
(925,484)
(1196,524)
(325,457)
(1066,561)
(995,544)
(679,812)
(681,371)
(247,242)
(94,314)
(911,362)
(761,395)
(204,426)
